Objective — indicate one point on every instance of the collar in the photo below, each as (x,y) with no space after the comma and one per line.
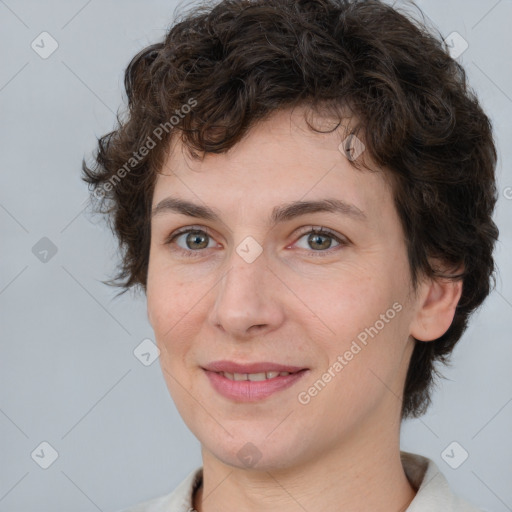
(432,490)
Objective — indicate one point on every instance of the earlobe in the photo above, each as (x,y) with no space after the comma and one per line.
(436,308)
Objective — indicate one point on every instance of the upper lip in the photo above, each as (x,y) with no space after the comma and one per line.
(260,367)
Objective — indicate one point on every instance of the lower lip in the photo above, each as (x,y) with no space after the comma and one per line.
(252,391)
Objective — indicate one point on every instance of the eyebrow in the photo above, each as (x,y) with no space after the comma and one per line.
(281,213)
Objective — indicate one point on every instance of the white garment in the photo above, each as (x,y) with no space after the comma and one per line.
(433,492)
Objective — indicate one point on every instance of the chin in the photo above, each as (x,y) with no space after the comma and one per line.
(255,452)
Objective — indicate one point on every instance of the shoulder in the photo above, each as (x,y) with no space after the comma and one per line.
(179,500)
(433,491)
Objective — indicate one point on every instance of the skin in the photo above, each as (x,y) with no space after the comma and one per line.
(299,303)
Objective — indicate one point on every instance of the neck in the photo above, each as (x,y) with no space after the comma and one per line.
(359,475)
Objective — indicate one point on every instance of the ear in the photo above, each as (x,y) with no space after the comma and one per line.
(437,300)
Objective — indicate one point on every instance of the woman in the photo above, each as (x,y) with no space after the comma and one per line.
(338,180)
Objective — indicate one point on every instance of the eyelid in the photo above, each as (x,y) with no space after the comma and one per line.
(322,230)
(302,231)
(340,239)
(186,229)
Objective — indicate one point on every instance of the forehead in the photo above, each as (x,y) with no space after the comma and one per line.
(279,160)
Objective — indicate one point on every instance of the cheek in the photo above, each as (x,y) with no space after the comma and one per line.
(347,302)
(168,318)
(174,306)
(174,291)
(363,321)
(168,297)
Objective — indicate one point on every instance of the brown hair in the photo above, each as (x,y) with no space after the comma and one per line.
(235,63)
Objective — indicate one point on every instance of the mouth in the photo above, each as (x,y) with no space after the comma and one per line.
(253,377)
(251,382)
(251,368)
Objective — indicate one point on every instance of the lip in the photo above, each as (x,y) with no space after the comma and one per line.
(232,367)
(251,391)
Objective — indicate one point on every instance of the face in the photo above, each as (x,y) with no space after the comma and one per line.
(244,286)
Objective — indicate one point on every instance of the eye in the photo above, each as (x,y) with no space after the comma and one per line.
(320,240)
(191,240)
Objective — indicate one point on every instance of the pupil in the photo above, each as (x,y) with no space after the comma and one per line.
(194,238)
(315,240)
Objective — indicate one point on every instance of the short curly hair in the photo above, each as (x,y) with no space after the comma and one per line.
(220,69)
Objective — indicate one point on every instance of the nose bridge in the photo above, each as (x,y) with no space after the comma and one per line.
(244,297)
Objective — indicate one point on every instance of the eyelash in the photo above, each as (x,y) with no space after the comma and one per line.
(308,230)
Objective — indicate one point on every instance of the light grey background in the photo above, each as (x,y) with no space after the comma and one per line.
(68,375)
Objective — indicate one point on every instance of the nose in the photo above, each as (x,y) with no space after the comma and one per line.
(247,299)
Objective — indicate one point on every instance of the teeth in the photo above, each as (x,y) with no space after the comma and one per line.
(253,377)
(256,376)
